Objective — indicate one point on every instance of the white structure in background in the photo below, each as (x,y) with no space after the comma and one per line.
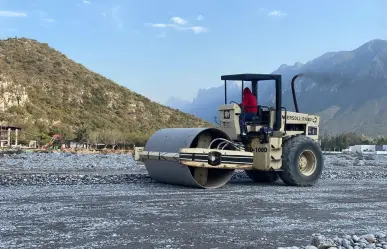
(368,149)
(362,148)
(33,144)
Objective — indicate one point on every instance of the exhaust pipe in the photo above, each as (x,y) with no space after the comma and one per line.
(294,90)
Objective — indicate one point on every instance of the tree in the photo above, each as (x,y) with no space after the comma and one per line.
(94,137)
(345,140)
(82,134)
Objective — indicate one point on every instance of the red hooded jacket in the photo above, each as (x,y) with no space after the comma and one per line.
(249,102)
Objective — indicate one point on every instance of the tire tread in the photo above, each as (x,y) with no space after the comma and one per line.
(288,176)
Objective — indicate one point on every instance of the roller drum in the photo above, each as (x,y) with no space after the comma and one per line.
(172,172)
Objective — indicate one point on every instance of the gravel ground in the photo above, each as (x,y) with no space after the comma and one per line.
(68,162)
(108,201)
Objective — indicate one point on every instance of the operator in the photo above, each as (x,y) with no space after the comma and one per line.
(250,107)
(249,104)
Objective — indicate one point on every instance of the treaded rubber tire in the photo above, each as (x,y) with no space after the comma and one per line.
(292,149)
(262,176)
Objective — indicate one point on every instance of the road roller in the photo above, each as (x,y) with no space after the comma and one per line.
(273,144)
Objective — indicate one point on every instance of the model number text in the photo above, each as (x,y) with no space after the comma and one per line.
(257,149)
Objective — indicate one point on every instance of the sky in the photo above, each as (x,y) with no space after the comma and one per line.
(164,48)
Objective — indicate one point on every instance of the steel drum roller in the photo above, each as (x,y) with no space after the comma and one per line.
(172,172)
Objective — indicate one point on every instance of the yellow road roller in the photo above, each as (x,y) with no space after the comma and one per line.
(273,144)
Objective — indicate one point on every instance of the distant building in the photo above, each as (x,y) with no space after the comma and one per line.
(367,148)
(6,133)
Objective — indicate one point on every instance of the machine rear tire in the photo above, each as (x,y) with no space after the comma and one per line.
(262,176)
(302,161)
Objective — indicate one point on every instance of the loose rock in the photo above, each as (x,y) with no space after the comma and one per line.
(354,241)
(321,242)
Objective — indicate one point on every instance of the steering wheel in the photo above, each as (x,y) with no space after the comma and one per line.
(234,102)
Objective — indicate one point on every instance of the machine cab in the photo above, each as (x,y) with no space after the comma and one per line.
(231,114)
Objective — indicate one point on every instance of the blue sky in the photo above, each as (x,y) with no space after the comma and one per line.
(163,48)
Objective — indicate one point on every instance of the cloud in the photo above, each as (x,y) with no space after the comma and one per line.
(199,29)
(7,13)
(195,29)
(178,20)
(273,13)
(178,24)
(199,18)
(83,2)
(162,25)
(43,16)
(277,13)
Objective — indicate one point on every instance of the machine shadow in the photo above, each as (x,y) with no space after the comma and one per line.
(252,183)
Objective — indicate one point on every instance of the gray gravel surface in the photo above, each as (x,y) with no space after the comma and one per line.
(344,166)
(75,210)
(68,168)
(68,162)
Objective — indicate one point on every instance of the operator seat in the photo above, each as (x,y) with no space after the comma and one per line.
(262,117)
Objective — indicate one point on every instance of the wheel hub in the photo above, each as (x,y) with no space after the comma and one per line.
(307,162)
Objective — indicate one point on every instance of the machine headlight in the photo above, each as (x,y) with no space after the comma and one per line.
(214,158)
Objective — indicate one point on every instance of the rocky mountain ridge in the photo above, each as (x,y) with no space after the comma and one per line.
(348,89)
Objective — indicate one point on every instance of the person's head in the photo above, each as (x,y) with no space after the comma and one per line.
(246,90)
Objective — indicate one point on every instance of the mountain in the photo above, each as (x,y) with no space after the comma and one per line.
(45,92)
(207,101)
(177,103)
(348,89)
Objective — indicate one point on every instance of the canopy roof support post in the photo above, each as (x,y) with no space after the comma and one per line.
(225,92)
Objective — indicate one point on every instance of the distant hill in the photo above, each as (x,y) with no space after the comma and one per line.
(45,92)
(347,88)
(177,103)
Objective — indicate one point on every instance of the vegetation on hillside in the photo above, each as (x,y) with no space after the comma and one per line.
(65,97)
